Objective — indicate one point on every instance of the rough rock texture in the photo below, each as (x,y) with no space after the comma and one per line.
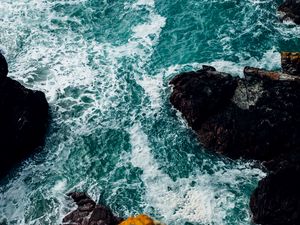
(257,117)
(89,213)
(23,119)
(276,200)
(290,63)
(290,10)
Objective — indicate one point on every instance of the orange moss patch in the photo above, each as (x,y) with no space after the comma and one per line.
(140,220)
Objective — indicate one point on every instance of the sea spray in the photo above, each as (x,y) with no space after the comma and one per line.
(105,68)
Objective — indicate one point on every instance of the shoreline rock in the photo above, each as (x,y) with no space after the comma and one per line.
(290,10)
(276,199)
(256,117)
(89,213)
(23,119)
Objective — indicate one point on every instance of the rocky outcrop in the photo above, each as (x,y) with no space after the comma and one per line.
(276,200)
(257,117)
(290,10)
(23,119)
(89,213)
(290,63)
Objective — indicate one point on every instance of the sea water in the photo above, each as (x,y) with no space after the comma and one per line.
(104,66)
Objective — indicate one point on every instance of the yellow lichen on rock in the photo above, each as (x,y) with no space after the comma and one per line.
(140,220)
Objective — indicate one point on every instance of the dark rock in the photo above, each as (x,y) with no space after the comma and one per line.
(276,200)
(23,119)
(290,10)
(290,63)
(89,213)
(256,118)
(3,67)
(198,95)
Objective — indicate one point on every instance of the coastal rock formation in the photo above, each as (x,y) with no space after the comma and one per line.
(290,63)
(257,117)
(276,200)
(89,213)
(290,10)
(23,119)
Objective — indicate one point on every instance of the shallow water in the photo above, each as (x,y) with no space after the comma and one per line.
(104,66)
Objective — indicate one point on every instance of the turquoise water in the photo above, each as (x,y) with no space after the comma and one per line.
(104,66)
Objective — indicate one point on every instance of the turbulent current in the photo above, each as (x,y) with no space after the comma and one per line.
(104,66)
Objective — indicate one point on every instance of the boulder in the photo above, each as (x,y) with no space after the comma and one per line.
(23,119)
(276,200)
(290,63)
(3,67)
(256,117)
(89,213)
(290,10)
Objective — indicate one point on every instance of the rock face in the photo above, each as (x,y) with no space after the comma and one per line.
(256,118)
(290,10)
(290,63)
(89,213)
(276,200)
(23,119)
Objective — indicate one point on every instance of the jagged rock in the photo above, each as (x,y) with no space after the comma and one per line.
(276,200)
(290,10)
(23,119)
(3,67)
(290,63)
(200,94)
(257,117)
(89,213)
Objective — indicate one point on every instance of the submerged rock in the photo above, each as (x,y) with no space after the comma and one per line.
(276,200)
(290,10)
(89,213)
(257,117)
(23,119)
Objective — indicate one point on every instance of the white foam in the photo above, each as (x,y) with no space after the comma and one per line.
(180,200)
(144,3)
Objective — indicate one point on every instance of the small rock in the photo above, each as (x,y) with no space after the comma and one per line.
(290,10)
(89,213)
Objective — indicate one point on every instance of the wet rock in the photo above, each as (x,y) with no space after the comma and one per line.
(256,118)
(3,67)
(198,95)
(23,119)
(89,213)
(290,10)
(290,63)
(276,200)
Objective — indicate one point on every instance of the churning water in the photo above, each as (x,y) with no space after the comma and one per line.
(104,66)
